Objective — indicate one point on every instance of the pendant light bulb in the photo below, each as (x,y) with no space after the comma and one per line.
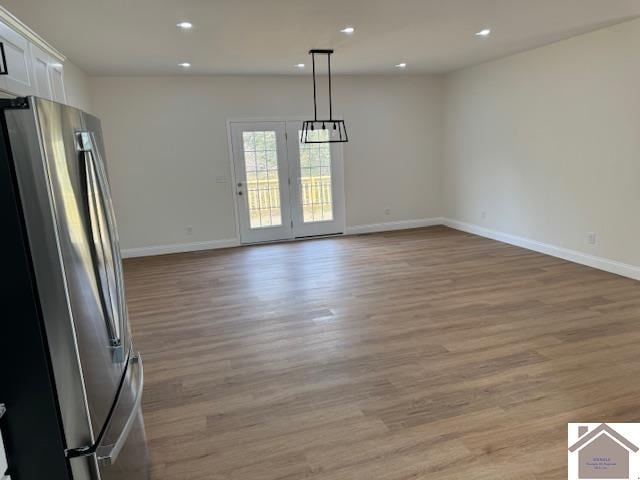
(312,127)
(334,126)
(323,126)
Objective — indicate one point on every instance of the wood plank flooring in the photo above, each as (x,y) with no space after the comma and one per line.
(419,354)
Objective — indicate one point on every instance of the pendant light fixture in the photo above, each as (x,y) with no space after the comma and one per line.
(323,131)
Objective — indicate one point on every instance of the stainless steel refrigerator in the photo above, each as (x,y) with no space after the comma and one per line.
(73,387)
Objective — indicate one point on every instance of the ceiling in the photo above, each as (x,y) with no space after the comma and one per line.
(139,37)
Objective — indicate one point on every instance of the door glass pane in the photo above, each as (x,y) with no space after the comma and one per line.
(315,169)
(263,182)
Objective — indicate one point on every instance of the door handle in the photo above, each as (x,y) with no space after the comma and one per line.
(104,252)
(108,455)
(5,69)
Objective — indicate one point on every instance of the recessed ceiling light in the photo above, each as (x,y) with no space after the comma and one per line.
(484,33)
(185,25)
(401,65)
(299,65)
(184,64)
(348,30)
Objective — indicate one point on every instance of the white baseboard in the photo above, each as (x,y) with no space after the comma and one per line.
(234,242)
(178,248)
(612,266)
(397,225)
(601,263)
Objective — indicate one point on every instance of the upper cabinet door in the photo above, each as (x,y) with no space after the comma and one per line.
(19,80)
(41,65)
(56,78)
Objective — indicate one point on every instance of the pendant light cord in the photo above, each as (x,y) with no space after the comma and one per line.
(315,97)
(339,134)
(330,100)
(315,103)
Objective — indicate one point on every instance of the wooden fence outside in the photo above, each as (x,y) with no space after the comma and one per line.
(263,194)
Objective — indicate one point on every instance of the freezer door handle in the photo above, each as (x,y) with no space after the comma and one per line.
(107,455)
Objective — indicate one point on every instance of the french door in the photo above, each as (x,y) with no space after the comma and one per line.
(285,189)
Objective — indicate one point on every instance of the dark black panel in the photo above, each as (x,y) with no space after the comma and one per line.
(31,427)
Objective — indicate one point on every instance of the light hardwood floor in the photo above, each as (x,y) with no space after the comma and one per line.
(428,353)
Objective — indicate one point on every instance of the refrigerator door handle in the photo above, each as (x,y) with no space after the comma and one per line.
(108,455)
(115,244)
(101,224)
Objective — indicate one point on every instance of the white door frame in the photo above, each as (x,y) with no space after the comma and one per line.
(338,151)
(271,233)
(320,228)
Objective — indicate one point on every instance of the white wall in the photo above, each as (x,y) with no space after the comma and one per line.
(76,84)
(547,143)
(166,140)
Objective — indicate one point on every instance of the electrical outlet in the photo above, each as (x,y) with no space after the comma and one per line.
(483,215)
(387,211)
(592,239)
(189,229)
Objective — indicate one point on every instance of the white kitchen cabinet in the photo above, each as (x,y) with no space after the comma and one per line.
(48,75)
(56,77)
(41,78)
(18,56)
(32,69)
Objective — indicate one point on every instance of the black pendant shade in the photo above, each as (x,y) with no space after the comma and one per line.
(318,130)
